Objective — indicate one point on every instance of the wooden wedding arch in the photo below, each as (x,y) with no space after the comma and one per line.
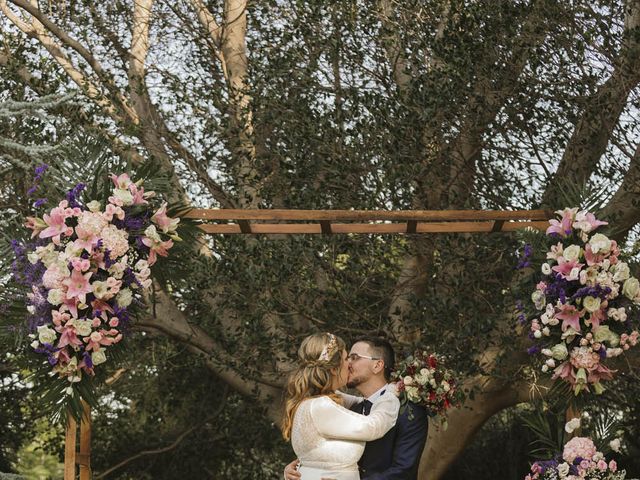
(325,222)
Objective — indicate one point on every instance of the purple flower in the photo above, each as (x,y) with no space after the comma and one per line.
(534,350)
(72,195)
(39,202)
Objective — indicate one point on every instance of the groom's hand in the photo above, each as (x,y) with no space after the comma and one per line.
(291,471)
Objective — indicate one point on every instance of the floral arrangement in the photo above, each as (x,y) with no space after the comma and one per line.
(87,267)
(584,307)
(580,461)
(422,379)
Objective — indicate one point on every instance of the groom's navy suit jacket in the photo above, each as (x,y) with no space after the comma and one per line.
(396,455)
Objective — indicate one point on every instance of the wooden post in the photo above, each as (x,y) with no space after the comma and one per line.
(70,449)
(573,412)
(83,457)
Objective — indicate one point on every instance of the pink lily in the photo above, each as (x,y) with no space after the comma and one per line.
(600,373)
(587,222)
(56,224)
(113,210)
(565,267)
(157,248)
(103,307)
(78,285)
(596,318)
(160,218)
(139,197)
(85,240)
(570,317)
(565,372)
(36,224)
(563,227)
(121,181)
(68,336)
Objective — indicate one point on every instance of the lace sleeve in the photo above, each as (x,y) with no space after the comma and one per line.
(335,421)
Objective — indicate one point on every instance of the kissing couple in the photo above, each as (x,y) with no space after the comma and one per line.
(337,436)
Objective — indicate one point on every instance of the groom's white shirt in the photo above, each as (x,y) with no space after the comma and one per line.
(377,394)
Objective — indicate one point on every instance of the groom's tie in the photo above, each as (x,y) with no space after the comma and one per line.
(365,407)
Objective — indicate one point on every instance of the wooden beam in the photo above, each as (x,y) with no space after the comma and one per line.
(84,456)
(325,227)
(366,215)
(70,448)
(382,228)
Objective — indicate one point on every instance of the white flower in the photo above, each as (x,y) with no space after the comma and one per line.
(563,469)
(55,297)
(617,314)
(407,380)
(152,233)
(571,425)
(538,299)
(551,363)
(98,357)
(545,368)
(600,244)
(547,352)
(615,445)
(33,258)
(124,195)
(614,352)
(31,309)
(537,334)
(604,334)
(124,298)
(83,327)
(35,344)
(46,334)
(412,394)
(100,289)
(630,288)
(115,240)
(94,206)
(591,304)
(572,252)
(559,351)
(621,272)
(569,334)
(546,268)
(546,332)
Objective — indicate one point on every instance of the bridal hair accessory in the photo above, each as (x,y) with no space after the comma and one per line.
(329,348)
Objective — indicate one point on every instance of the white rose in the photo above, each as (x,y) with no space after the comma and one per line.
(55,296)
(538,299)
(421,379)
(412,394)
(546,269)
(600,244)
(407,380)
(83,327)
(46,335)
(571,425)
(591,304)
(124,298)
(604,334)
(621,272)
(98,357)
(630,288)
(615,445)
(94,206)
(545,368)
(563,470)
(445,386)
(546,352)
(559,351)
(537,334)
(572,252)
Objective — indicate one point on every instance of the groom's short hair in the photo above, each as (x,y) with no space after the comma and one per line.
(381,348)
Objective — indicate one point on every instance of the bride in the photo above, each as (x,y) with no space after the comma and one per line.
(327,437)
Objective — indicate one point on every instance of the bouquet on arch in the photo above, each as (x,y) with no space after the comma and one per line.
(422,378)
(580,460)
(86,268)
(585,303)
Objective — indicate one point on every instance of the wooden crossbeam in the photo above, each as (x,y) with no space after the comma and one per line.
(389,228)
(366,215)
(377,221)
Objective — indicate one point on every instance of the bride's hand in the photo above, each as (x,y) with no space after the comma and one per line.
(291,471)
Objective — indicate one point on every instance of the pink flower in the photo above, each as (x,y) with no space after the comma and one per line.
(582,447)
(596,317)
(139,197)
(35,224)
(565,372)
(121,181)
(584,357)
(56,223)
(613,466)
(157,248)
(113,210)
(587,222)
(68,336)
(570,317)
(562,227)
(569,269)
(602,465)
(165,223)
(86,240)
(78,285)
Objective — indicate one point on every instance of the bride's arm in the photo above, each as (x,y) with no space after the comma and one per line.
(335,421)
(348,400)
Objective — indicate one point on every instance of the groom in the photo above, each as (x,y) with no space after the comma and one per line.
(396,455)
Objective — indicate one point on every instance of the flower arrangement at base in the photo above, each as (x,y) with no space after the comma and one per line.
(421,378)
(580,461)
(86,268)
(584,307)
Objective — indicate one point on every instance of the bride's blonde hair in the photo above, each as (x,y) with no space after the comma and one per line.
(318,355)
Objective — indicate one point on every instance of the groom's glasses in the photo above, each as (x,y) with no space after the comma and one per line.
(355,356)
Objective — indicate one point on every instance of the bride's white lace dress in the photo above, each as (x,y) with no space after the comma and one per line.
(329,439)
